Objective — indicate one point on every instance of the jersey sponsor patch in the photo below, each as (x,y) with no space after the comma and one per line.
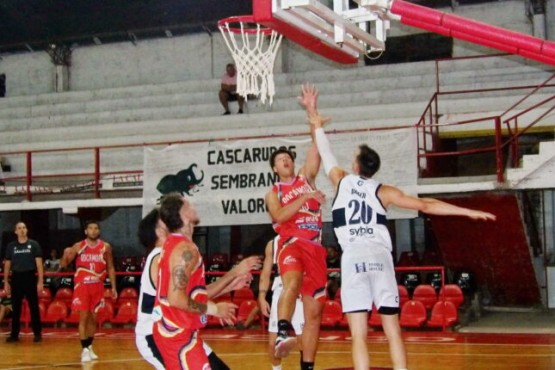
(289,260)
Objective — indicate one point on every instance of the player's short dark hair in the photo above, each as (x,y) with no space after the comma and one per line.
(368,161)
(281,150)
(89,222)
(147,229)
(169,211)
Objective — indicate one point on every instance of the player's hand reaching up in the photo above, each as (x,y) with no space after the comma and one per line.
(309,98)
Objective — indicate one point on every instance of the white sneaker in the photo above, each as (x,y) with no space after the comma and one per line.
(86,355)
(93,355)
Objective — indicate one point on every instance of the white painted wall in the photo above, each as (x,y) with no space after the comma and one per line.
(201,56)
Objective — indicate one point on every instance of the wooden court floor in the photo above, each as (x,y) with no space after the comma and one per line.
(245,350)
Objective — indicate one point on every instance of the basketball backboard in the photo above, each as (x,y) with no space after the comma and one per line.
(335,31)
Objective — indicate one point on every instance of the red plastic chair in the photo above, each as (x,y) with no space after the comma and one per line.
(453,293)
(73,317)
(65,295)
(443,312)
(127,313)
(126,295)
(403,295)
(105,314)
(241,295)
(426,294)
(55,312)
(45,296)
(332,314)
(375,320)
(245,309)
(413,314)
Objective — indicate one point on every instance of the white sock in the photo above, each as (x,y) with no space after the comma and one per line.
(276,367)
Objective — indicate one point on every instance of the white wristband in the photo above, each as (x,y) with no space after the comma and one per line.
(211,309)
(324,148)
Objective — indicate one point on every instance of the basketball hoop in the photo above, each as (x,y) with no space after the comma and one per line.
(254,48)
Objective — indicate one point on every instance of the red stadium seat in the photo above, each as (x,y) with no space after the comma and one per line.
(45,296)
(57,311)
(453,293)
(403,295)
(375,320)
(413,314)
(127,313)
(64,294)
(73,317)
(241,295)
(332,314)
(105,314)
(127,295)
(426,294)
(443,312)
(246,309)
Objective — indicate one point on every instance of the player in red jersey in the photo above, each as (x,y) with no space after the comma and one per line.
(181,297)
(93,260)
(294,206)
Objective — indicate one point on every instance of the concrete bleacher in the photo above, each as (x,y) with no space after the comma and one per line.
(377,96)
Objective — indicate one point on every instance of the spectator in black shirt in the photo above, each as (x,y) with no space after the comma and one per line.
(24,261)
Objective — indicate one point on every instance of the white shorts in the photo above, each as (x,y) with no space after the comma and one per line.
(145,349)
(298,316)
(367,277)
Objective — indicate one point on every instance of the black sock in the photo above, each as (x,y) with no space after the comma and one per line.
(283,327)
(307,365)
(84,343)
(89,341)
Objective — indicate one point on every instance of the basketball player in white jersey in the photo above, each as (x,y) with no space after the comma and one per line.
(269,267)
(359,220)
(152,234)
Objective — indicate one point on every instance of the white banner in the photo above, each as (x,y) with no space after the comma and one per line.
(227,181)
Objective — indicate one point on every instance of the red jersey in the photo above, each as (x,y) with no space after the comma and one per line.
(307,222)
(174,320)
(90,264)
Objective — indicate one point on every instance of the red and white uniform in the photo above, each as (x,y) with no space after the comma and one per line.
(299,244)
(90,264)
(176,331)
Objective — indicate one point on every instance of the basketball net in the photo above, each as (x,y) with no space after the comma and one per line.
(254,49)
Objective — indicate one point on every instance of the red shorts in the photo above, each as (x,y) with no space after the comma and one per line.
(182,351)
(88,297)
(296,254)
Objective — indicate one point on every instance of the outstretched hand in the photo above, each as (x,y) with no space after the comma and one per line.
(309,98)
(483,216)
(317,120)
(248,264)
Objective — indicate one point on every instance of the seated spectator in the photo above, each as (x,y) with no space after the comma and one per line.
(53,262)
(228,90)
(333,261)
(5,308)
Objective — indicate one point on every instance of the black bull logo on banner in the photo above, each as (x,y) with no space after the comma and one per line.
(185,181)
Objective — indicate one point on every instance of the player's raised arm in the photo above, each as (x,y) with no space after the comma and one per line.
(309,100)
(392,195)
(331,167)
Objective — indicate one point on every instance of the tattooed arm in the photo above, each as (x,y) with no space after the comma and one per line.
(183,261)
